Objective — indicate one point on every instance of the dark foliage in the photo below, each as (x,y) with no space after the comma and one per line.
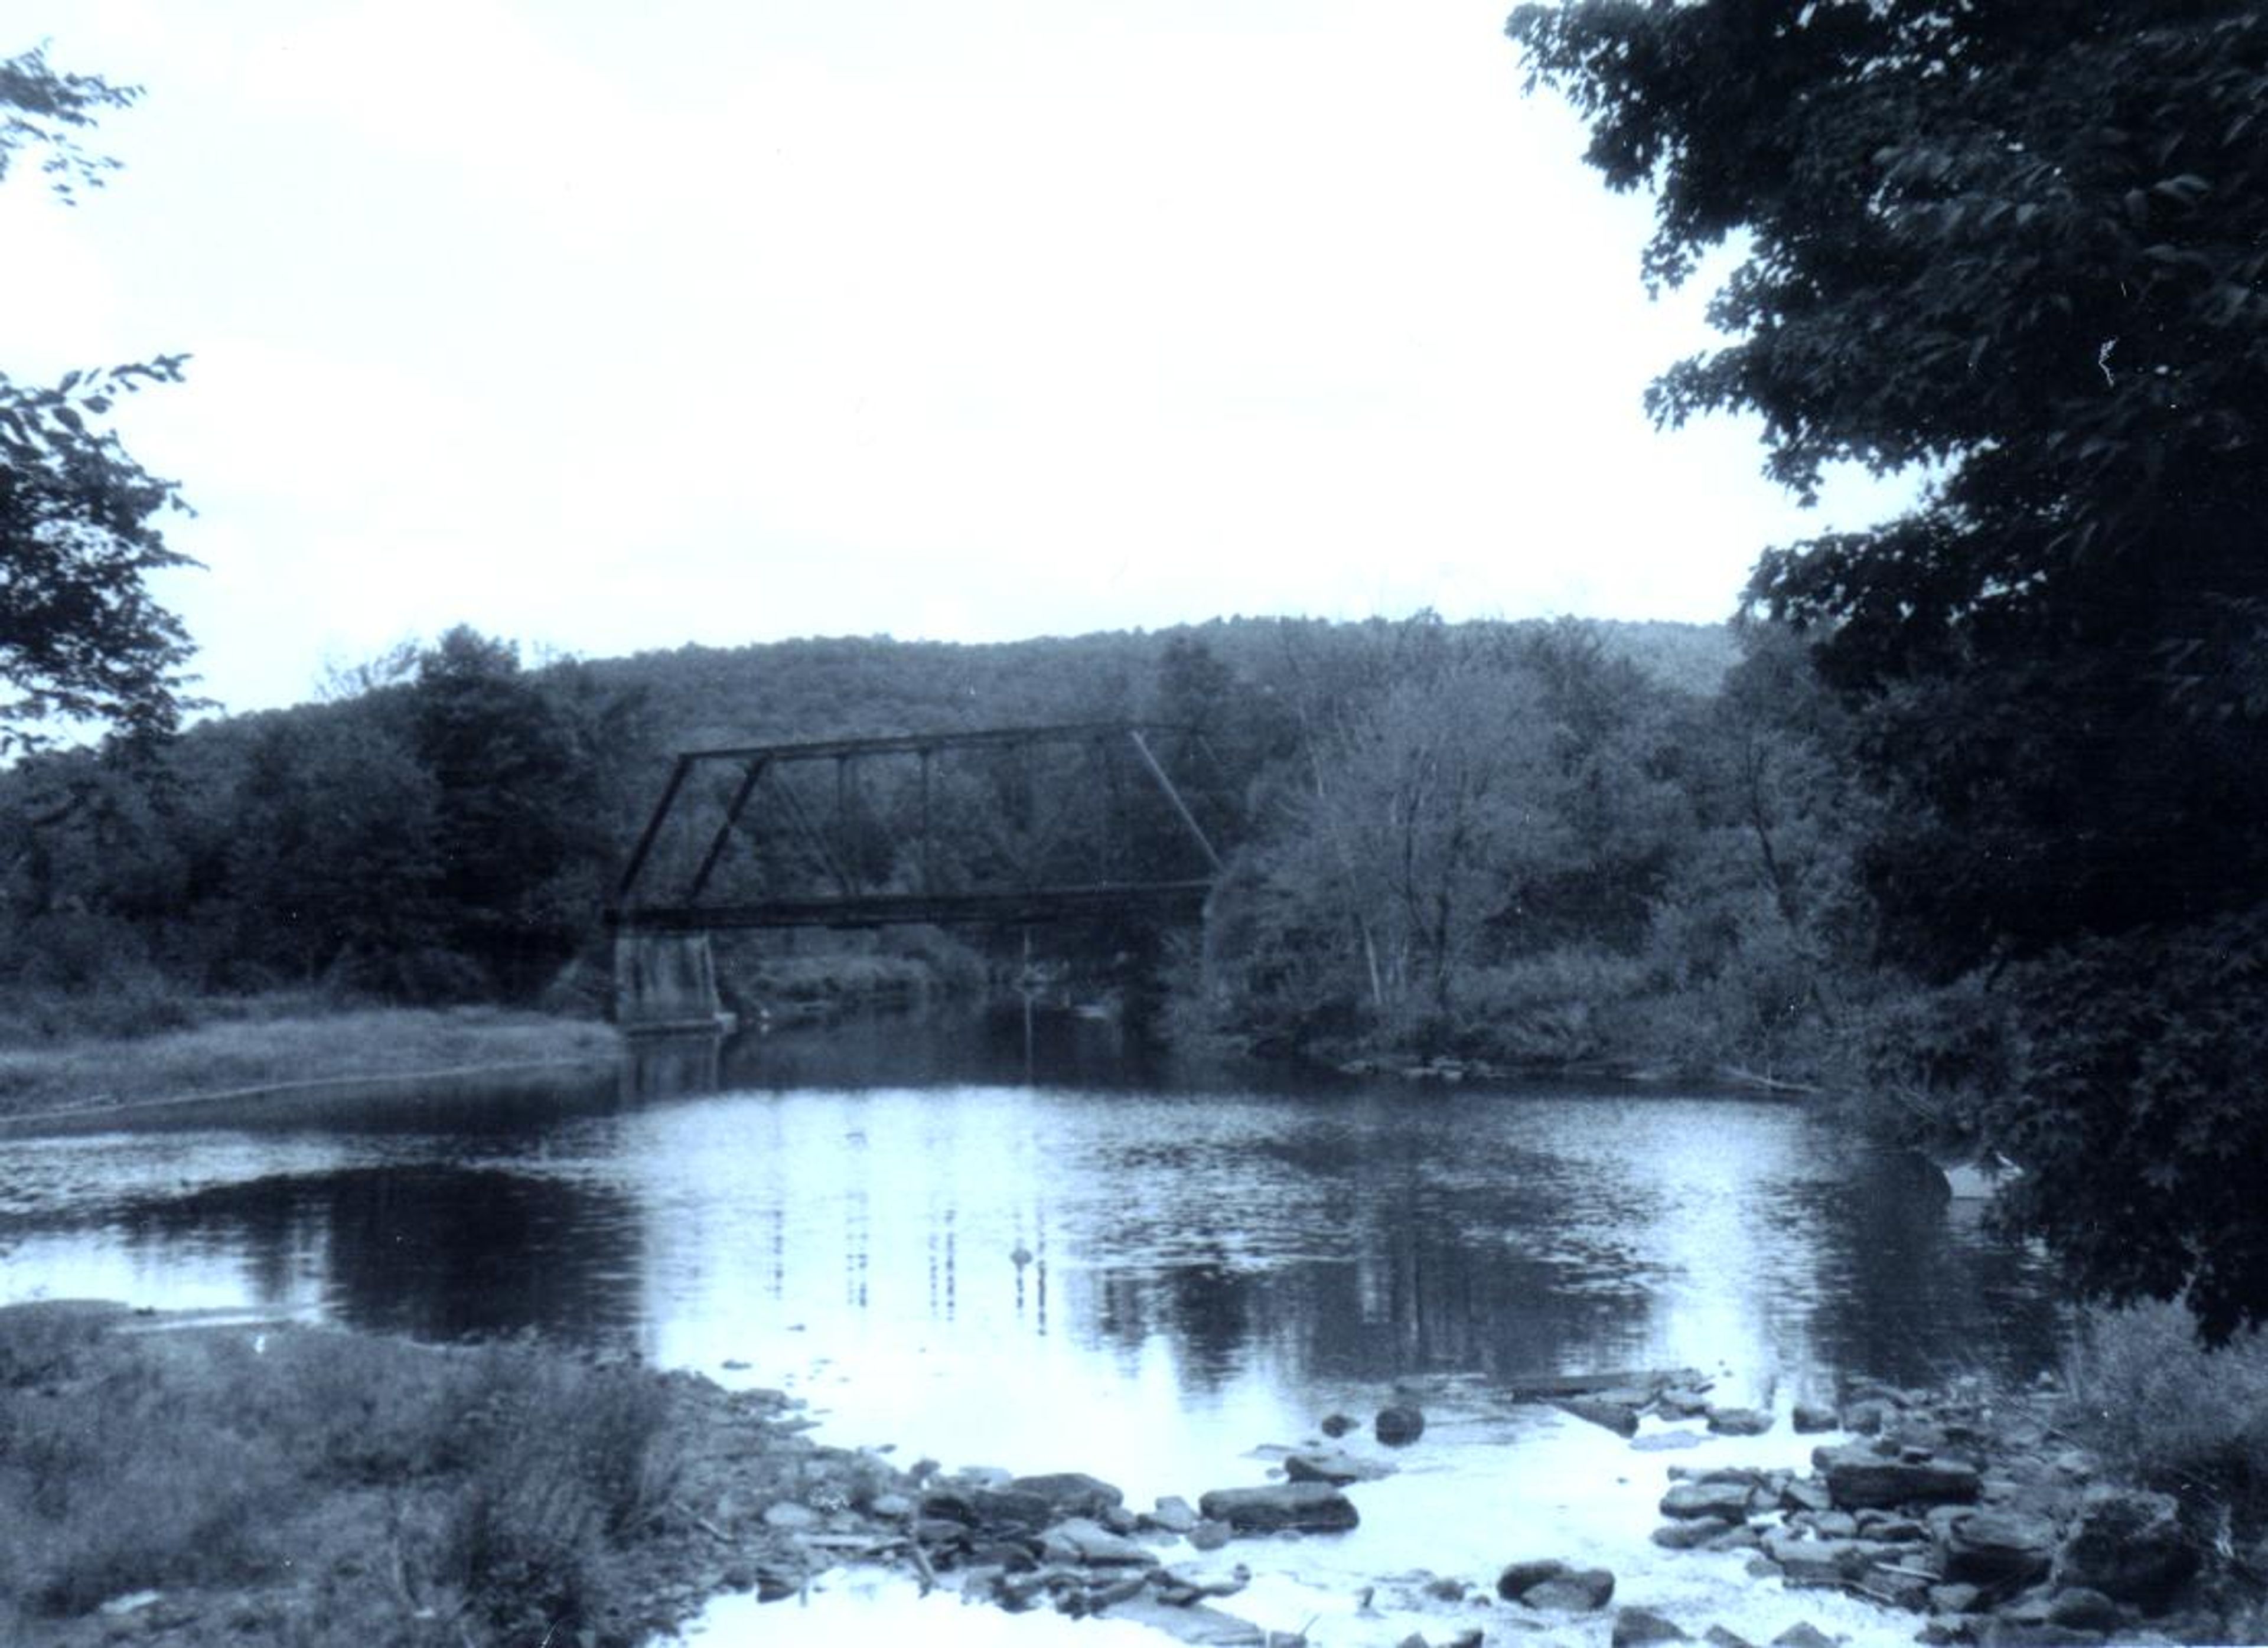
(2018,250)
(82,639)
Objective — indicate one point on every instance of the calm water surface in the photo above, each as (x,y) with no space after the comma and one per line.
(1052,1263)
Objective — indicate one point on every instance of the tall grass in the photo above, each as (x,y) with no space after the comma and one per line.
(385,1492)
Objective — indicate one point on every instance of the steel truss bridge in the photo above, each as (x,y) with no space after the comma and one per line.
(1002,826)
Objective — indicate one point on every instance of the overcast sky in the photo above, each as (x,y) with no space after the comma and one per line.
(606,328)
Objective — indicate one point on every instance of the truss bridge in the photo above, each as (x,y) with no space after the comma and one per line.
(1002,826)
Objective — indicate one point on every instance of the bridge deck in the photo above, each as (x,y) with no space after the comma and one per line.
(883,909)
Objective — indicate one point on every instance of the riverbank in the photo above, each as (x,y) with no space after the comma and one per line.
(282,1484)
(297,1048)
(184,1480)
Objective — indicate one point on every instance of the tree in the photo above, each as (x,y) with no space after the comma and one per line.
(81,637)
(518,822)
(2019,251)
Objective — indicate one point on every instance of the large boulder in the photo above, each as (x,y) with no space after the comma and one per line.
(1309,1507)
(1997,1548)
(1859,1478)
(2128,1544)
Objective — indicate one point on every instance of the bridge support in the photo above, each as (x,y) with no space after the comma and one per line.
(666,984)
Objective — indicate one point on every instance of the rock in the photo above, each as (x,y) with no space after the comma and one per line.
(1615,1416)
(1810,1419)
(1635,1626)
(1182,1586)
(1997,1548)
(1803,1634)
(1519,1578)
(1695,1531)
(1739,1420)
(1070,1493)
(2127,1543)
(1083,1540)
(2089,1610)
(1666,1441)
(1725,1500)
(1398,1426)
(1816,1562)
(1680,1403)
(1013,1555)
(1338,1424)
(1881,1525)
(1173,1515)
(1744,1538)
(1109,1592)
(1579,1591)
(1859,1478)
(1895,1586)
(1338,1468)
(788,1516)
(1010,1508)
(2017,1633)
(1717,1636)
(948,1504)
(1955,1599)
(1804,1493)
(1311,1507)
(1210,1535)
(1865,1415)
(894,1506)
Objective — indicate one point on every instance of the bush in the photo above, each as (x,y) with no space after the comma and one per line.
(2162,1409)
(411,1487)
(1561,1007)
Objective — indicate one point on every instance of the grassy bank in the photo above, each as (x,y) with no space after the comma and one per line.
(298,1043)
(285,1486)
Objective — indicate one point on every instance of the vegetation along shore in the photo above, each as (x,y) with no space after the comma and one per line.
(183,1480)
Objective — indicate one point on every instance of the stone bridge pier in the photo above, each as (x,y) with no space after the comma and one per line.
(666,984)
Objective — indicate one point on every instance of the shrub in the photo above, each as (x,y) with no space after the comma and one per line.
(2162,1407)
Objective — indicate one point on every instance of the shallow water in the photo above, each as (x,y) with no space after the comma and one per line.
(1062,1264)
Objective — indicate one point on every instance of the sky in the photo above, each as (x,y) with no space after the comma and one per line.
(605,328)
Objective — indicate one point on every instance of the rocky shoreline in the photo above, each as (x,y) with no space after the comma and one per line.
(1953,1516)
(1964,1515)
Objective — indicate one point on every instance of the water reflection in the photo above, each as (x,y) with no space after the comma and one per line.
(966,1263)
(429,1249)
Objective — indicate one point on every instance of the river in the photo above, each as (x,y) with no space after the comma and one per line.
(1039,1255)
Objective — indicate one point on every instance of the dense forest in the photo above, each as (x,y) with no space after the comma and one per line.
(1542,844)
